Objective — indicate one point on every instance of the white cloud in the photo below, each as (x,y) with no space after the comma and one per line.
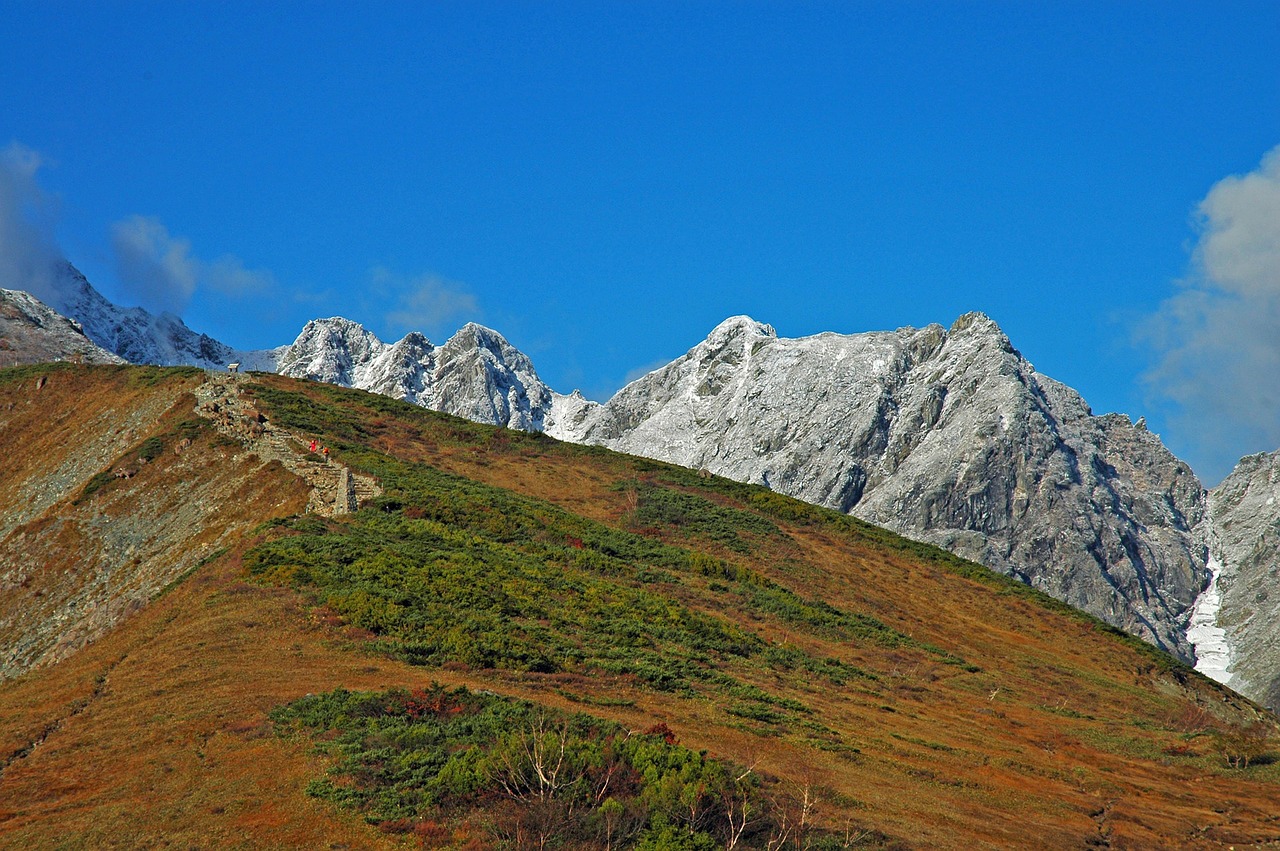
(228,275)
(1218,339)
(159,270)
(154,267)
(423,303)
(29,256)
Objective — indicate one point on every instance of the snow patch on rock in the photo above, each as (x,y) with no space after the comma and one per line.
(1213,651)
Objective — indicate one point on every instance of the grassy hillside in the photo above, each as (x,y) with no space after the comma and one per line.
(702,663)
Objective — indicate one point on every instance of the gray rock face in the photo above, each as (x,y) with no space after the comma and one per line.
(32,332)
(477,374)
(947,436)
(1245,537)
(138,336)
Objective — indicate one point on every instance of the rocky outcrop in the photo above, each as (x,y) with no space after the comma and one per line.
(32,332)
(946,435)
(1245,537)
(335,489)
(83,547)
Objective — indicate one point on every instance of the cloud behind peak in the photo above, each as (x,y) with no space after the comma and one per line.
(1217,340)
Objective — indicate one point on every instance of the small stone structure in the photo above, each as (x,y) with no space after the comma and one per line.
(345,500)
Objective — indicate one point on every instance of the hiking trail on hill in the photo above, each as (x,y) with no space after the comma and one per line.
(335,489)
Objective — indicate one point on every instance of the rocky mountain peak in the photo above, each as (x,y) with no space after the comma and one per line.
(741,325)
(474,337)
(332,350)
(483,377)
(475,374)
(33,332)
(950,437)
(981,331)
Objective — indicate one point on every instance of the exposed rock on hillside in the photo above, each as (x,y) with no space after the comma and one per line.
(947,436)
(115,495)
(32,332)
(1245,513)
(335,489)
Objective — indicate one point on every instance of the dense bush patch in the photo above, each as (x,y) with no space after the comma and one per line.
(444,763)
(443,569)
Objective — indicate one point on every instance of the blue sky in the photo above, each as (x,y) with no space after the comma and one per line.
(603,183)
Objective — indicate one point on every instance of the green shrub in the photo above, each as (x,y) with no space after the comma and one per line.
(437,754)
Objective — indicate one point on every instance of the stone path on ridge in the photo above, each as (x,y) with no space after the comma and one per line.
(335,489)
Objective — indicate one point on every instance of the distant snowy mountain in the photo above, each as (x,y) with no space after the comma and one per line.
(139,336)
(946,436)
(477,374)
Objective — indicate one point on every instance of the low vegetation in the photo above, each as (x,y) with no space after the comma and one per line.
(629,655)
(456,767)
(445,571)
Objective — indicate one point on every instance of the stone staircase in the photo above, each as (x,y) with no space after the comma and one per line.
(335,489)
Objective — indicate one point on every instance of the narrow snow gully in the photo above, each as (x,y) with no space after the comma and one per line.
(1213,652)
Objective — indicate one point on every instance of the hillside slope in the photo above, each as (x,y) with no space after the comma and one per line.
(945,435)
(909,698)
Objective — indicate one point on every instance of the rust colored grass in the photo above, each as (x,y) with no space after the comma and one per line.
(1056,735)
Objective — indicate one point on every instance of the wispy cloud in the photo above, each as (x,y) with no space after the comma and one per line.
(153,266)
(227,275)
(29,256)
(423,302)
(1218,339)
(156,268)
(160,271)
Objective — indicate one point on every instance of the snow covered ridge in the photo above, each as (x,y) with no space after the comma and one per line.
(477,374)
(137,335)
(946,435)
(32,332)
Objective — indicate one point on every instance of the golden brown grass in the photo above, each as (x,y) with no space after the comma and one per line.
(1064,738)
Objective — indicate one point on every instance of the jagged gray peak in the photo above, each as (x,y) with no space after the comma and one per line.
(33,332)
(1244,513)
(947,436)
(482,377)
(137,335)
(476,374)
(343,352)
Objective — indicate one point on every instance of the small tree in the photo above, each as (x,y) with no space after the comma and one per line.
(1240,746)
